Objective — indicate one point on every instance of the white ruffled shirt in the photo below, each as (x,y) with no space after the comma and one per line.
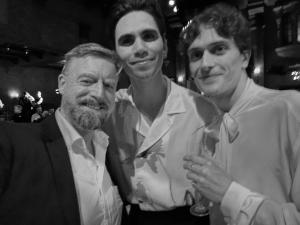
(262,157)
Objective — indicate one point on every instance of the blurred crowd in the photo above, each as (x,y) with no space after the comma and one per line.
(28,109)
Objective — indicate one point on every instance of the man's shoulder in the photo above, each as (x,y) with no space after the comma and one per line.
(10,125)
(205,109)
(188,94)
(291,99)
(20,130)
(282,100)
(277,96)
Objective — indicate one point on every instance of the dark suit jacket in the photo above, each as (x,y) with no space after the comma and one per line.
(36,180)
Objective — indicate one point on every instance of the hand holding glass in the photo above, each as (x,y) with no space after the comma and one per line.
(201,206)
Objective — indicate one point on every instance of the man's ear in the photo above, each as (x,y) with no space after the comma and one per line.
(165,48)
(246,58)
(61,83)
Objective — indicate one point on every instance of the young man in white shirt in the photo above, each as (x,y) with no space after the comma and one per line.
(253,177)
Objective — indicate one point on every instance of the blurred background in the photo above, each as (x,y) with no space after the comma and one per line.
(34,34)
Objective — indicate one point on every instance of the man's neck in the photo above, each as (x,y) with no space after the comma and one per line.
(85,134)
(149,96)
(88,139)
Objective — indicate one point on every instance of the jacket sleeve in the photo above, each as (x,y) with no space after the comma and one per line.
(5,158)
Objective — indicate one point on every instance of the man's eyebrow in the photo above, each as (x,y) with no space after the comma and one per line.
(125,35)
(149,30)
(210,45)
(195,48)
(222,42)
(130,34)
(91,75)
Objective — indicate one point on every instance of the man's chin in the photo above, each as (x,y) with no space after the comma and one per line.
(90,125)
(89,120)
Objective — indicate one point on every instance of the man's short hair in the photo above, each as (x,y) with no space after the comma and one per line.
(123,7)
(227,20)
(91,49)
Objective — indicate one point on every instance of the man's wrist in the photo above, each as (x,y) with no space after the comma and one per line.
(233,200)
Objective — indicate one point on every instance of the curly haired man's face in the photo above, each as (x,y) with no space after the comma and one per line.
(216,63)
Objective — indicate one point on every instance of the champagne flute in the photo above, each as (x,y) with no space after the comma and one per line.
(201,206)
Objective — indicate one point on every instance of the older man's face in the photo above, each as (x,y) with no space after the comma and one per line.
(88,91)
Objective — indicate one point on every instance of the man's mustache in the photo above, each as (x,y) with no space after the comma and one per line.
(97,104)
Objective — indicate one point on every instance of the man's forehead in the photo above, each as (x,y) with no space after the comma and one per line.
(135,22)
(92,65)
(93,57)
(208,36)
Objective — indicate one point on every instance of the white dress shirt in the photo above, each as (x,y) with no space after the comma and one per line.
(152,155)
(99,201)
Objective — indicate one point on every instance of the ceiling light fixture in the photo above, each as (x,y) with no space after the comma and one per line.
(171,3)
(175,9)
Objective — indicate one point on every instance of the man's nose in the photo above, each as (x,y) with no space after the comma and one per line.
(140,48)
(98,90)
(207,60)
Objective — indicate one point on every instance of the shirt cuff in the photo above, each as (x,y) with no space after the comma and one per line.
(233,200)
(239,203)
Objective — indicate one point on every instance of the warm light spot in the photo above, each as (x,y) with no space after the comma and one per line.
(257,70)
(13,93)
(295,75)
(175,9)
(171,2)
(180,78)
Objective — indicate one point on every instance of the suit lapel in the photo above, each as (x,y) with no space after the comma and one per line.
(62,171)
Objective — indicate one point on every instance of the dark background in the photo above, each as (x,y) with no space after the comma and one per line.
(34,34)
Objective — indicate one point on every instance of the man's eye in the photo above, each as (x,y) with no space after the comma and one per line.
(218,50)
(149,36)
(86,82)
(109,86)
(195,55)
(126,40)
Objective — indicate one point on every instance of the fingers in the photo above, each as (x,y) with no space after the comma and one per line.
(197,174)
(194,163)
(198,169)
(189,198)
(201,159)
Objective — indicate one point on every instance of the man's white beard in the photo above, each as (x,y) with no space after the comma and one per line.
(86,119)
